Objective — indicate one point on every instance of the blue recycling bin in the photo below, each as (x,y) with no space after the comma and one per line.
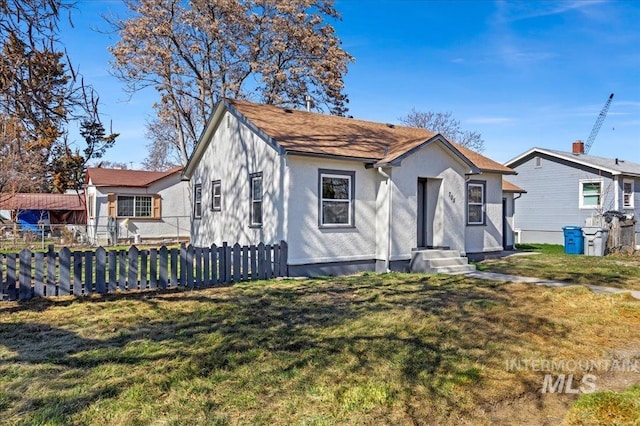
(573,240)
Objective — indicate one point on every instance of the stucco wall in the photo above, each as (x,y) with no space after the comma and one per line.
(437,163)
(231,156)
(308,243)
(487,237)
(174,222)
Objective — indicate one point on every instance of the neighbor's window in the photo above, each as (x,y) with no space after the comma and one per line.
(216,195)
(255,180)
(475,203)
(590,194)
(627,194)
(134,205)
(197,201)
(336,198)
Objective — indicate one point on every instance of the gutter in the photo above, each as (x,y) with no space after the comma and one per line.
(389,194)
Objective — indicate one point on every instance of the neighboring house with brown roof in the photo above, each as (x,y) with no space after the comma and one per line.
(567,188)
(52,209)
(143,205)
(347,195)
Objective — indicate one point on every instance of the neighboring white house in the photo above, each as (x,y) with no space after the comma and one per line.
(140,205)
(565,188)
(347,195)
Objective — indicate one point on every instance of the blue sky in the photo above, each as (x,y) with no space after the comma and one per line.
(523,73)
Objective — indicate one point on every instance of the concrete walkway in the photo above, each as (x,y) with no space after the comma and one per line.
(549,283)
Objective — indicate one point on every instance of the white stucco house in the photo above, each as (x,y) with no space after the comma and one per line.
(346,195)
(141,205)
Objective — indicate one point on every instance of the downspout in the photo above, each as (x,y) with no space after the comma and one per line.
(389,193)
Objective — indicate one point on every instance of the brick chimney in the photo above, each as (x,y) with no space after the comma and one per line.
(578,147)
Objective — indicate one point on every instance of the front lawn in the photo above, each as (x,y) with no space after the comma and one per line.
(549,262)
(370,349)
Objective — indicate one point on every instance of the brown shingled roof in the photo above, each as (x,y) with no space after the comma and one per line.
(128,178)
(511,187)
(319,134)
(26,201)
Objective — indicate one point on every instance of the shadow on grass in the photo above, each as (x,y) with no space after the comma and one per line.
(433,330)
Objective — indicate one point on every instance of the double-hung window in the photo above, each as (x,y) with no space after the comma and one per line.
(590,194)
(197,201)
(336,189)
(476,203)
(216,195)
(134,206)
(627,194)
(255,180)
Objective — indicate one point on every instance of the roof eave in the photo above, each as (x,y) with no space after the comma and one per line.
(332,156)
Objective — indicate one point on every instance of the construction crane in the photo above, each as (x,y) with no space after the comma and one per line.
(596,127)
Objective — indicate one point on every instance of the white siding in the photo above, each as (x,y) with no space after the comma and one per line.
(487,237)
(231,156)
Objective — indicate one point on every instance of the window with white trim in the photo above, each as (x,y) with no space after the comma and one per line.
(197,201)
(134,206)
(216,195)
(91,206)
(476,203)
(255,180)
(336,190)
(590,194)
(627,193)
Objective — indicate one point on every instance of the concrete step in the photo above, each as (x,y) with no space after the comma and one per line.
(454,270)
(448,261)
(435,254)
(440,262)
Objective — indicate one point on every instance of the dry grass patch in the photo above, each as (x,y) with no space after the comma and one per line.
(550,262)
(370,349)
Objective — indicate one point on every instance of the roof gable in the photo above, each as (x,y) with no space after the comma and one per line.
(307,133)
(127,178)
(614,166)
(41,201)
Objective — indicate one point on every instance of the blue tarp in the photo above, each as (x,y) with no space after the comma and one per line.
(29,219)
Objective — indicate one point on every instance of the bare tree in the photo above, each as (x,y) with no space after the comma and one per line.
(39,90)
(162,153)
(196,52)
(445,124)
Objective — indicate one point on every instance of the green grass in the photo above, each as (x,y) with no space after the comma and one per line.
(605,408)
(370,349)
(550,262)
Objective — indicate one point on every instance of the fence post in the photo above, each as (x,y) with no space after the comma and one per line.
(253,254)
(51,271)
(214,264)
(284,254)
(132,276)
(2,287)
(183,264)
(77,273)
(153,268)
(101,270)
(164,270)
(245,263)
(113,269)
(189,266)
(198,266)
(174,268)
(206,267)
(65,272)
(122,270)
(144,269)
(223,262)
(267,261)
(236,262)
(88,272)
(38,279)
(276,260)
(262,273)
(25,275)
(11,276)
